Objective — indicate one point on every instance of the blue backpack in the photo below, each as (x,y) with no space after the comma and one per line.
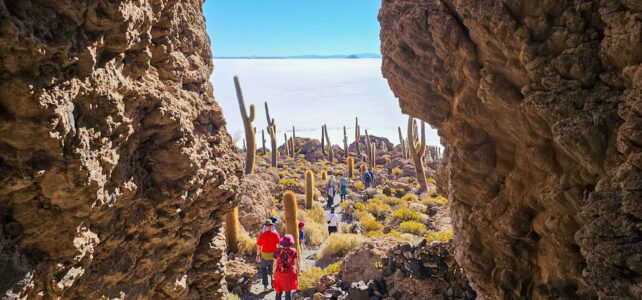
(367,177)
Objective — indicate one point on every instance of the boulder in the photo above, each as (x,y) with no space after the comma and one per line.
(362,262)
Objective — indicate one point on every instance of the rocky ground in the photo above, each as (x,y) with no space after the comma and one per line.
(373,221)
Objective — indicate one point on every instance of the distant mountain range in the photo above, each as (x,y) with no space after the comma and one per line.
(360,55)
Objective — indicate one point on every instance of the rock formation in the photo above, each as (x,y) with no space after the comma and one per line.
(539,104)
(115,164)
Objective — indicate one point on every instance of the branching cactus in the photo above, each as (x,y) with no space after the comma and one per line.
(250,152)
(271,128)
(357,136)
(309,189)
(291,217)
(345,141)
(232,230)
(327,139)
(350,166)
(417,150)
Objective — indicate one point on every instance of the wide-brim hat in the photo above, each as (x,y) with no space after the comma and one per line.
(268,222)
(287,240)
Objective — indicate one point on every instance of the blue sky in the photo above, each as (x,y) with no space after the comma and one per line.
(292,27)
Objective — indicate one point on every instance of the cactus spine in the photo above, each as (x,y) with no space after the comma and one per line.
(357,136)
(417,150)
(324,176)
(327,139)
(271,128)
(309,189)
(345,142)
(232,229)
(350,166)
(291,217)
(250,153)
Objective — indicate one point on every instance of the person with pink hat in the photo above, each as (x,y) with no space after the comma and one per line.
(286,266)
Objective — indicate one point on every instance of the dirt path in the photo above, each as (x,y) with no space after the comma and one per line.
(308,261)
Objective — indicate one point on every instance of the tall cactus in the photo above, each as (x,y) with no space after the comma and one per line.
(324,176)
(373,155)
(309,189)
(271,128)
(232,230)
(293,136)
(350,166)
(362,169)
(369,150)
(327,139)
(345,142)
(323,140)
(287,145)
(357,136)
(244,148)
(250,153)
(417,150)
(292,147)
(291,217)
(263,139)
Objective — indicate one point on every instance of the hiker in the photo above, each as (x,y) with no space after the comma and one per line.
(330,191)
(343,185)
(368,177)
(275,221)
(286,266)
(301,236)
(265,252)
(333,221)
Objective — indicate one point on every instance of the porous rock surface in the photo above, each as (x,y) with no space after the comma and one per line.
(539,104)
(115,164)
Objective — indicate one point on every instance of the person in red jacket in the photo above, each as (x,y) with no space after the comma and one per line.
(265,252)
(286,268)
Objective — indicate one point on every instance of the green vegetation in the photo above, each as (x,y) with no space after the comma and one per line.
(339,244)
(289,182)
(396,171)
(400,192)
(413,227)
(442,236)
(310,277)
(406,214)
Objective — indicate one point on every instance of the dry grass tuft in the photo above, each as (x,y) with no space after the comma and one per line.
(413,227)
(339,244)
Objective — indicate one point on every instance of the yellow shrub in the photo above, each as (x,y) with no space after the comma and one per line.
(344,204)
(285,173)
(368,222)
(396,171)
(377,208)
(410,198)
(442,236)
(247,244)
(233,297)
(359,206)
(406,214)
(339,244)
(413,227)
(400,192)
(438,199)
(317,214)
(402,236)
(394,201)
(315,233)
(359,185)
(430,179)
(310,277)
(373,234)
(418,207)
(289,181)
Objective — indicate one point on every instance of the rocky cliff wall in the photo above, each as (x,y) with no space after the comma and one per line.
(115,164)
(540,106)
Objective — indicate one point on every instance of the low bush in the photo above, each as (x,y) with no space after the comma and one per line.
(438,199)
(400,192)
(368,222)
(374,234)
(310,277)
(359,186)
(392,201)
(247,244)
(284,174)
(418,207)
(315,233)
(359,206)
(430,179)
(344,204)
(387,191)
(378,209)
(413,227)
(289,182)
(317,214)
(233,296)
(339,244)
(410,198)
(406,214)
(396,171)
(441,236)
(401,236)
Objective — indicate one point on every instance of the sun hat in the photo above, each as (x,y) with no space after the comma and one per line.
(287,240)
(268,222)
(301,224)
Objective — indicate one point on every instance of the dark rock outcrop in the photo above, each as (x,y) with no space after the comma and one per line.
(115,164)
(539,105)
